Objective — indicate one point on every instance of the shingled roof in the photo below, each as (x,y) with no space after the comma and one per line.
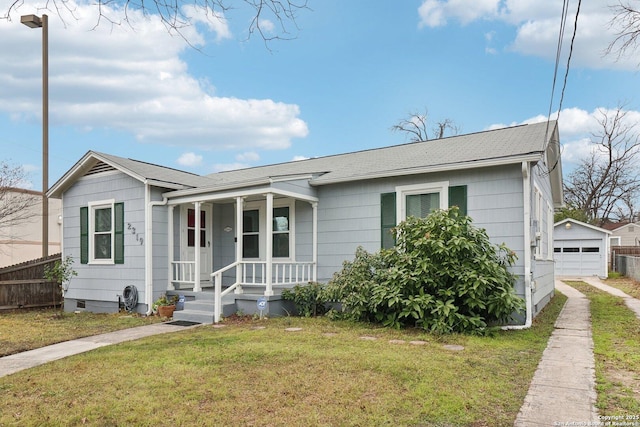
(500,146)
(509,145)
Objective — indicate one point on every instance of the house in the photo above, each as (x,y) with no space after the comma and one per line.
(580,249)
(624,234)
(21,232)
(254,231)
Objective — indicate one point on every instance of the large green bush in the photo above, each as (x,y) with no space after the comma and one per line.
(443,275)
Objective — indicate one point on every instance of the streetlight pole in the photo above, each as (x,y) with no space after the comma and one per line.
(33,21)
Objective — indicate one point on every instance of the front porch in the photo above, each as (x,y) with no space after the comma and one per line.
(230,249)
(212,303)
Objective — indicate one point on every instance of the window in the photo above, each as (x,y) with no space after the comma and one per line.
(615,241)
(281,232)
(417,200)
(102,233)
(254,225)
(191,228)
(422,199)
(593,249)
(556,249)
(571,250)
(102,236)
(251,234)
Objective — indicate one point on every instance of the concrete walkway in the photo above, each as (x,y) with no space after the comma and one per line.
(29,359)
(632,303)
(562,391)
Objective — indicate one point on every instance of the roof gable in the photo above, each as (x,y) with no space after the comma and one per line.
(93,163)
(572,221)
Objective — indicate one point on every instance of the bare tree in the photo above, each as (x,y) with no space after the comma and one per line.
(416,127)
(16,205)
(176,14)
(606,185)
(626,22)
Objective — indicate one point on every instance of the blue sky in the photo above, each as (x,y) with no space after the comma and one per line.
(354,69)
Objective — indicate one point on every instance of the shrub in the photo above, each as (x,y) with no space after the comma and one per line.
(443,275)
(308,299)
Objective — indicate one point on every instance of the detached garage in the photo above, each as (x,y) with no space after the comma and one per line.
(580,249)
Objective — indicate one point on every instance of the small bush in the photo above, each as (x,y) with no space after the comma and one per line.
(614,275)
(308,299)
(444,275)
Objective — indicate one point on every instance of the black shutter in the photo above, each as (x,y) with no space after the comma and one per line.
(387,219)
(84,235)
(119,233)
(458,197)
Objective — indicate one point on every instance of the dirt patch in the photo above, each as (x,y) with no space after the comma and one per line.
(627,380)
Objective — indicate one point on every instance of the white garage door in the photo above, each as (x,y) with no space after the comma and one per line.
(579,257)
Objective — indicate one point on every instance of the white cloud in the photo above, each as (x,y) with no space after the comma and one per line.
(537,24)
(223,167)
(434,13)
(215,21)
(576,127)
(267,26)
(298,158)
(132,79)
(249,156)
(190,159)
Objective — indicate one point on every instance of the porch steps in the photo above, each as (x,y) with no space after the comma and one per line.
(199,308)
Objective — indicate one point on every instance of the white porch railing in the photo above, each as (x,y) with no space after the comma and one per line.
(183,272)
(253,273)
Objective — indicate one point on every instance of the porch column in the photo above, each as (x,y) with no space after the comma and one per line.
(196,244)
(170,253)
(239,242)
(314,240)
(269,250)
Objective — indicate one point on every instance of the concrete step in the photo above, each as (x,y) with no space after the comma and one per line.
(205,317)
(202,313)
(199,305)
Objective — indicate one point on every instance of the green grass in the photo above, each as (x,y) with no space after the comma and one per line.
(325,374)
(627,285)
(616,337)
(22,330)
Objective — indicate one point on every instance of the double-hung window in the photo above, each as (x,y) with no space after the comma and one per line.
(102,233)
(251,234)
(281,232)
(419,201)
(254,232)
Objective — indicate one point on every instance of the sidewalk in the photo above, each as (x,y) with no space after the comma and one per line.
(632,303)
(29,359)
(562,391)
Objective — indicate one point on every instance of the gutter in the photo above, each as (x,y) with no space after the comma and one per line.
(148,246)
(528,298)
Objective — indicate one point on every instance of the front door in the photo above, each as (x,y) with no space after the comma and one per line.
(189,239)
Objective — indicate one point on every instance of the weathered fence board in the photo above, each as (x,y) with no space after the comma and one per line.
(628,266)
(23,285)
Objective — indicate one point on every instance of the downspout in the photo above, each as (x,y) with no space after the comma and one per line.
(148,246)
(526,190)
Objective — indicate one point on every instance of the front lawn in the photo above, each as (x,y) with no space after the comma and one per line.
(258,373)
(22,330)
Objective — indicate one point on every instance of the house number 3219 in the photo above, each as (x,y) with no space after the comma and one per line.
(139,238)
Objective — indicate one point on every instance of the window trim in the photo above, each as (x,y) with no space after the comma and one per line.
(402,191)
(92,207)
(263,239)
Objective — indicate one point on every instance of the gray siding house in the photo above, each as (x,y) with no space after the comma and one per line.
(233,237)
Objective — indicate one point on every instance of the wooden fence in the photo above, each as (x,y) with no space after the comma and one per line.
(23,285)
